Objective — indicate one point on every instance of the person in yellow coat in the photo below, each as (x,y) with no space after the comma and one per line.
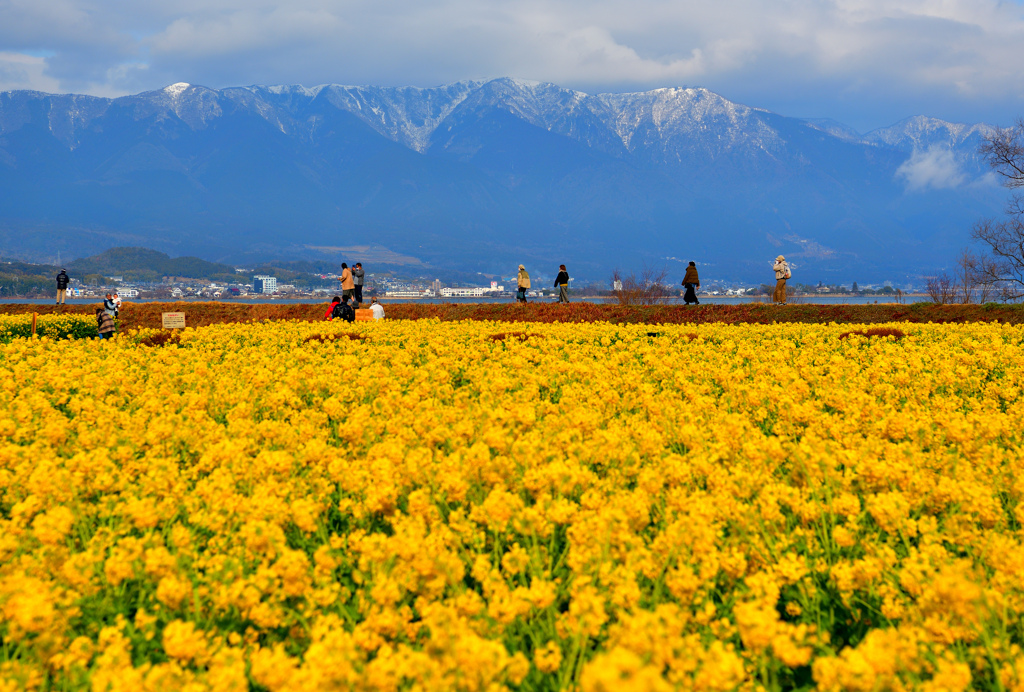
(522,284)
(782,272)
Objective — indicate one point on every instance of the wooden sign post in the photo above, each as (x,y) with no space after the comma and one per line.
(174,320)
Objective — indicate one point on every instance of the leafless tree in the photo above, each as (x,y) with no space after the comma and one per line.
(1003,272)
(972,282)
(940,289)
(646,289)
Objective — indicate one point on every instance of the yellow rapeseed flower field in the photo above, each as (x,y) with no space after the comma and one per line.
(485,506)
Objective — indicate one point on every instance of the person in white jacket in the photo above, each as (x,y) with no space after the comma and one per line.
(782,273)
(377,309)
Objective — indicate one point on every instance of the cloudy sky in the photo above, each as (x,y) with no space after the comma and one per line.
(867,63)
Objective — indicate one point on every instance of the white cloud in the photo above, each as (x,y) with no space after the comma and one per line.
(935,167)
(852,54)
(19,71)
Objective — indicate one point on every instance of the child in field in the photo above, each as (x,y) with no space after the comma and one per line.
(330,308)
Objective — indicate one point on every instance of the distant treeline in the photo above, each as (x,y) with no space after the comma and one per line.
(142,264)
(23,278)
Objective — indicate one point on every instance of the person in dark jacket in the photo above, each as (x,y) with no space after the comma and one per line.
(62,286)
(343,311)
(691,282)
(330,308)
(562,283)
(357,279)
(104,324)
(110,306)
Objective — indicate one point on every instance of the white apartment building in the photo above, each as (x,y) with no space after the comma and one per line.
(463,292)
(264,284)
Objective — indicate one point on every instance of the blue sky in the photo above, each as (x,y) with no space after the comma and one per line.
(867,63)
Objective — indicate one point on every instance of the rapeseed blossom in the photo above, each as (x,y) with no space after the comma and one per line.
(584,506)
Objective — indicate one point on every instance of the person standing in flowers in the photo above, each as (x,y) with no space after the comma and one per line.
(782,273)
(62,286)
(522,284)
(110,306)
(691,282)
(348,284)
(562,283)
(104,324)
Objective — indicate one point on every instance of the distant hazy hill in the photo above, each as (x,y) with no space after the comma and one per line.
(142,264)
(483,176)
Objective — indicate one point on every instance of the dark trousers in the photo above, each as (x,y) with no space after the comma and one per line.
(359,293)
(521,295)
(691,295)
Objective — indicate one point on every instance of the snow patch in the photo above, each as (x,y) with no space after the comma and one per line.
(176,90)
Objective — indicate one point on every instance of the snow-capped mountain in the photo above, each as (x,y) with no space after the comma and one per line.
(480,173)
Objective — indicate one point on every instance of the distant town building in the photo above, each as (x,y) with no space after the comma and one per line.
(405,293)
(436,287)
(264,284)
(462,292)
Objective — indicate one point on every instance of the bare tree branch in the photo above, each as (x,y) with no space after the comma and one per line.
(646,289)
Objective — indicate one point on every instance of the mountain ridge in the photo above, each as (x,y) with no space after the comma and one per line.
(483,172)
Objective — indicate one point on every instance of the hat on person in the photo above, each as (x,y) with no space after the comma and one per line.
(522,267)
(780,258)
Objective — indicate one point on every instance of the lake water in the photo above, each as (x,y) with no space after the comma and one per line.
(704,300)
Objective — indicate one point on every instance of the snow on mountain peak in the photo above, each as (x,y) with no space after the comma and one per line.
(175,90)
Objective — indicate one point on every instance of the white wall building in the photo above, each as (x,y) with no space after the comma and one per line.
(462,292)
(264,284)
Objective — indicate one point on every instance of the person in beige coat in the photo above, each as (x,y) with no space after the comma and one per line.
(782,273)
(522,283)
(348,284)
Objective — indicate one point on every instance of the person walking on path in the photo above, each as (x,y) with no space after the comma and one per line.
(562,282)
(348,284)
(691,282)
(522,284)
(377,309)
(62,286)
(330,308)
(104,324)
(782,273)
(357,279)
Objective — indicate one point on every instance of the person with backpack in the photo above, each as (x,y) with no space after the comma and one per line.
(62,286)
(343,311)
(691,282)
(522,284)
(562,283)
(330,308)
(782,272)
